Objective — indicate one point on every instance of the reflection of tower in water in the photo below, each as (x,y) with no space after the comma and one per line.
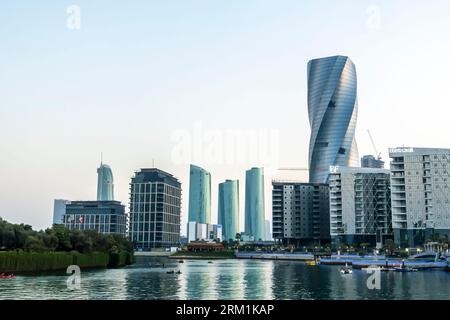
(258,278)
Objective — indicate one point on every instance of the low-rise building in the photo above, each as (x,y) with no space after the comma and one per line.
(204,231)
(106,217)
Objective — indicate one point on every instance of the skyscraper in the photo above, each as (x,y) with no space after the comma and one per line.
(199,195)
(333,110)
(254,203)
(155,207)
(268,231)
(105,184)
(228,209)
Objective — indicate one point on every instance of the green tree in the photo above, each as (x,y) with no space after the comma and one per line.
(389,247)
(34,243)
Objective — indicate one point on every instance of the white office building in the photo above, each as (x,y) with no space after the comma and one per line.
(59,210)
(203,232)
(360,209)
(420,184)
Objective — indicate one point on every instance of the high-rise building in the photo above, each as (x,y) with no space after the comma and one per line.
(268,231)
(370,161)
(420,194)
(300,213)
(59,209)
(106,217)
(254,203)
(155,207)
(105,183)
(228,209)
(333,110)
(360,205)
(199,195)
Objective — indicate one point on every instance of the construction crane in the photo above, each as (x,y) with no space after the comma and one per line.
(374,147)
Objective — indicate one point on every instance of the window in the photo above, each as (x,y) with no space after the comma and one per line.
(342,150)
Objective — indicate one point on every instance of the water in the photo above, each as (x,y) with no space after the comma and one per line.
(228,279)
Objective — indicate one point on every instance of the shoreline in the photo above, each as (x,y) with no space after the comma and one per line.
(40,262)
(188,257)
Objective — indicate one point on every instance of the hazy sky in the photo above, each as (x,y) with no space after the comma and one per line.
(139,79)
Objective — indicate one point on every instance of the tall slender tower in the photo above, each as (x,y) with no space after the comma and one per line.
(333,110)
(199,195)
(228,208)
(105,184)
(254,204)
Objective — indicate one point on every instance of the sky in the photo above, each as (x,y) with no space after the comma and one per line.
(169,82)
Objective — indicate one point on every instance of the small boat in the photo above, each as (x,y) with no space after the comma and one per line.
(9,276)
(311,263)
(170,272)
(178,272)
(210,262)
(180,261)
(346,270)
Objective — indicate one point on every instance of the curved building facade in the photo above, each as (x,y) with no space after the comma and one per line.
(228,209)
(254,204)
(199,195)
(105,184)
(333,111)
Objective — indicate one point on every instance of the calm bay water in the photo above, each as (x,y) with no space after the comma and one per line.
(228,279)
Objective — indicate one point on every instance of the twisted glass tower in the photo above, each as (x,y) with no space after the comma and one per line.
(254,203)
(333,110)
(199,195)
(105,184)
(228,209)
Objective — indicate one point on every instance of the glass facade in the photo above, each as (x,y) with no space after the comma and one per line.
(105,184)
(155,208)
(199,195)
(228,209)
(254,204)
(333,110)
(106,217)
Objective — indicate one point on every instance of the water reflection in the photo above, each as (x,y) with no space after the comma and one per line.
(258,280)
(228,279)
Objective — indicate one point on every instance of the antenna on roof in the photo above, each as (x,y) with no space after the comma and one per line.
(153,163)
(101,157)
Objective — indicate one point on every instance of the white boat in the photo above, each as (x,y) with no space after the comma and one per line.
(346,270)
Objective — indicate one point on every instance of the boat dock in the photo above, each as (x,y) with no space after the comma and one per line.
(275,256)
(358,262)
